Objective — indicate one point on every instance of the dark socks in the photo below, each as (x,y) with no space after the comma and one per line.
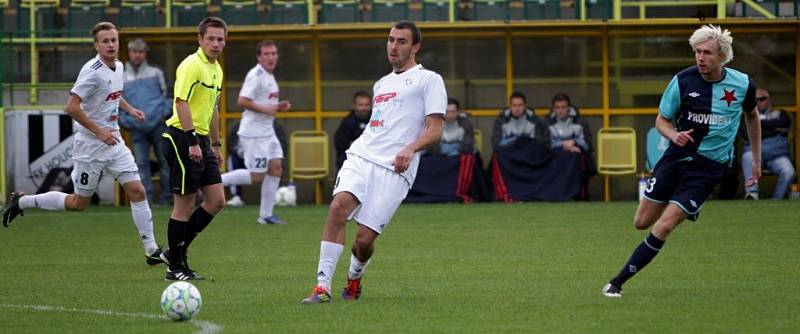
(641,256)
(197,223)
(176,236)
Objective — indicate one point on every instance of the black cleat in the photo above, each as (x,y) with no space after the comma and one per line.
(13,209)
(156,258)
(183,274)
(612,291)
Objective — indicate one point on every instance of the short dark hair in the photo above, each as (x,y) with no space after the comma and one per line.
(416,35)
(361,93)
(561,97)
(451,100)
(211,21)
(102,26)
(518,95)
(266,42)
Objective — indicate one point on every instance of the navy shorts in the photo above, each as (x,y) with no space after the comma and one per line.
(685,180)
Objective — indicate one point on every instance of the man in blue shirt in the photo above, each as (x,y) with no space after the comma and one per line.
(706,103)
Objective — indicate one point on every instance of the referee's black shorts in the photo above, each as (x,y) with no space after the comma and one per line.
(186,175)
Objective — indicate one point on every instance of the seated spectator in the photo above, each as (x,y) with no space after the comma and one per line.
(451,170)
(567,130)
(518,121)
(774,148)
(458,133)
(524,167)
(352,126)
(570,133)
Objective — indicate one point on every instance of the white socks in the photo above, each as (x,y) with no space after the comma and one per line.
(268,188)
(239,177)
(329,253)
(357,268)
(52,200)
(143,219)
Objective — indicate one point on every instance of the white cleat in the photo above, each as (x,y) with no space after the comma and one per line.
(235,201)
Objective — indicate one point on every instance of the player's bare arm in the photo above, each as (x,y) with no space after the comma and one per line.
(213,133)
(753,123)
(185,117)
(271,110)
(680,138)
(73,109)
(431,134)
(136,113)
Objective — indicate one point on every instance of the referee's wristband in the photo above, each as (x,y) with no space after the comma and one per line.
(217,144)
(192,135)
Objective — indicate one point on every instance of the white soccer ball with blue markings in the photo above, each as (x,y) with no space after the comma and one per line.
(286,196)
(181,301)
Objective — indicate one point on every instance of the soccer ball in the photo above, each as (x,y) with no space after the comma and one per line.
(286,196)
(181,301)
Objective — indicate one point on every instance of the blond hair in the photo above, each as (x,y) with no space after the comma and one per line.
(723,38)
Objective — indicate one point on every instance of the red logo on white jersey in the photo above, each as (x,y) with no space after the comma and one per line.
(384,97)
(375,123)
(114,95)
(272,96)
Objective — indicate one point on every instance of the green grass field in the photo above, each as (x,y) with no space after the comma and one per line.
(439,268)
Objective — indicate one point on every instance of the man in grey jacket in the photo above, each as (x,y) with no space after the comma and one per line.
(145,88)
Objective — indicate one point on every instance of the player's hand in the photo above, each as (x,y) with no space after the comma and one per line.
(403,160)
(195,153)
(106,135)
(284,105)
(753,179)
(683,137)
(137,114)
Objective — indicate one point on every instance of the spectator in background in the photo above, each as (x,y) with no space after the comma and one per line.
(569,132)
(774,148)
(352,126)
(146,89)
(451,170)
(458,134)
(518,121)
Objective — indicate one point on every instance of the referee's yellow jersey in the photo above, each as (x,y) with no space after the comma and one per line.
(200,83)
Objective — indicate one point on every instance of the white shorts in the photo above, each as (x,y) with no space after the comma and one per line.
(379,190)
(258,151)
(92,156)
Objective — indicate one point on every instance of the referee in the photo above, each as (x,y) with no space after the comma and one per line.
(192,146)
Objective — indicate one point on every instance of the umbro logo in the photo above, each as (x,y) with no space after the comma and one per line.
(694,94)
(321,274)
(694,204)
(358,270)
(632,268)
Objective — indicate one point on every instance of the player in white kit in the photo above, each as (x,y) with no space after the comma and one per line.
(407,115)
(262,150)
(94,103)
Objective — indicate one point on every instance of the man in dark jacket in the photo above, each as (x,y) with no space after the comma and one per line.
(775,125)
(352,126)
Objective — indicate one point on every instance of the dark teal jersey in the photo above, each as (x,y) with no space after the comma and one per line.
(712,109)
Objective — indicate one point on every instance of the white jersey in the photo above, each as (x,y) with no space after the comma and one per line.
(400,104)
(100,90)
(261,87)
